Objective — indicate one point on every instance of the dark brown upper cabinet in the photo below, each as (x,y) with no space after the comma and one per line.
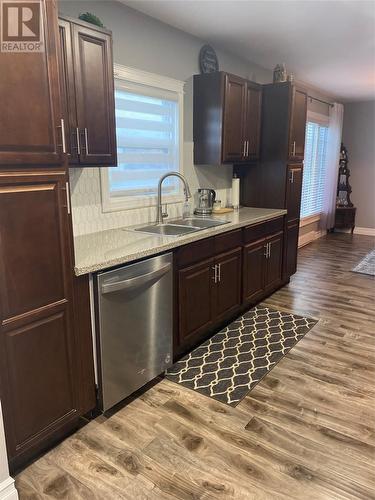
(284,108)
(30,119)
(297,124)
(227,111)
(253,120)
(233,147)
(87,88)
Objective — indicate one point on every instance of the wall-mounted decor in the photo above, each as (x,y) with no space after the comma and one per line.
(91,18)
(208,61)
(279,73)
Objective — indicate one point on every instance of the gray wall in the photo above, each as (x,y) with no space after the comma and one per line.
(145,43)
(359,138)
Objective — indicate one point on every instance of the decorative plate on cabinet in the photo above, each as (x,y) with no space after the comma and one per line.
(208,61)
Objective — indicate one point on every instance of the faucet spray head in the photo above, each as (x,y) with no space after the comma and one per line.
(187,192)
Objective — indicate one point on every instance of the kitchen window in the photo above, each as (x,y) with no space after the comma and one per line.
(149,140)
(315,165)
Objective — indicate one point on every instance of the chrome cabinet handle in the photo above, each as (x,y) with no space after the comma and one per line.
(63,135)
(67,191)
(219,273)
(78,141)
(247,148)
(86,142)
(294,148)
(291,177)
(267,254)
(244,148)
(214,277)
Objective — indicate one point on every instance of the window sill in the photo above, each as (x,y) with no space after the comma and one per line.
(306,221)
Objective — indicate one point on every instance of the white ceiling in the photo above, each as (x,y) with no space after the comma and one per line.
(328,44)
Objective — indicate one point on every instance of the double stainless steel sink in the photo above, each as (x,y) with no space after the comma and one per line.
(180,227)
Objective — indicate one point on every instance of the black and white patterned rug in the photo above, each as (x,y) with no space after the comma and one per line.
(228,365)
(367,265)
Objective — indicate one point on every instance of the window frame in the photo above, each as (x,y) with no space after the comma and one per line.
(322,120)
(135,77)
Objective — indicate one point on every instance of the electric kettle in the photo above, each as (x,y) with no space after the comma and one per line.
(206,198)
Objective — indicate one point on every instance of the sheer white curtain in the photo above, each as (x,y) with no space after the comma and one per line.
(336,115)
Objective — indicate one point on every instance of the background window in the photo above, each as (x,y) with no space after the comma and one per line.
(314,170)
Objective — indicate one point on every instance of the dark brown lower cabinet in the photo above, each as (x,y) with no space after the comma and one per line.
(253,270)
(230,276)
(227,289)
(291,248)
(210,290)
(195,299)
(262,267)
(274,261)
(39,365)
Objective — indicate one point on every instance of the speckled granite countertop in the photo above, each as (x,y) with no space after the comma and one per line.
(105,249)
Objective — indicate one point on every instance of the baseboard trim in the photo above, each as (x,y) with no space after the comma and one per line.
(8,490)
(367,231)
(310,237)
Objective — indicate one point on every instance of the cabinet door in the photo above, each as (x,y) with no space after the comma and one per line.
(195,299)
(252,121)
(274,261)
(38,364)
(68,98)
(94,95)
(294,191)
(298,125)
(254,270)
(30,118)
(227,292)
(234,113)
(291,248)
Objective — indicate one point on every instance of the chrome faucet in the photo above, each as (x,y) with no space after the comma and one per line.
(160,215)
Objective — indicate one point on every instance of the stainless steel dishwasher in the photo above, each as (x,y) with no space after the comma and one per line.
(135,326)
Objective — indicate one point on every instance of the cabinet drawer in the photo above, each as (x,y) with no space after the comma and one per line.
(194,252)
(257,231)
(227,241)
(274,225)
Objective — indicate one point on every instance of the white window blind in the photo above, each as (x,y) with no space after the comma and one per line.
(148,110)
(314,172)
(147,143)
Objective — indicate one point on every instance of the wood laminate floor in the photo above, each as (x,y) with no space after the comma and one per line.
(305,432)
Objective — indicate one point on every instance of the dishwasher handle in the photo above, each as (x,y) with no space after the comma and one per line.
(138,281)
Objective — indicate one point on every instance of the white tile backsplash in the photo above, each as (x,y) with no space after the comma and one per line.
(87,213)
